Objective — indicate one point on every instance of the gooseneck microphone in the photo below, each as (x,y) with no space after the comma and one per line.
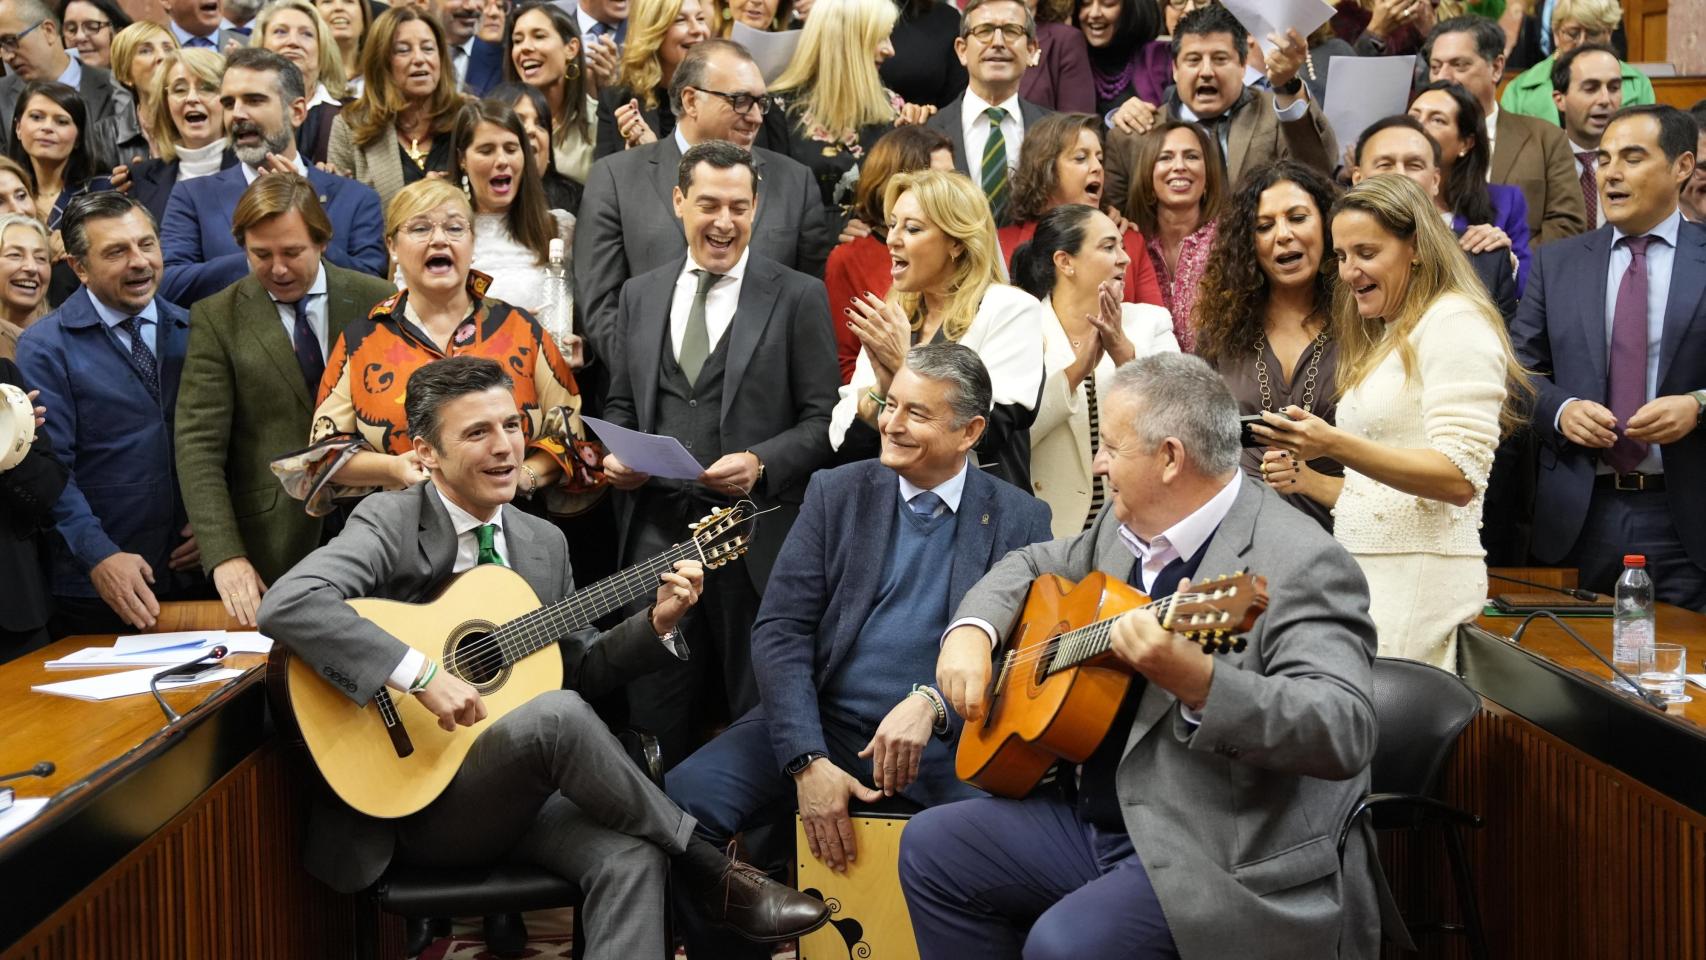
(1650,699)
(188,668)
(42,769)
(1585,595)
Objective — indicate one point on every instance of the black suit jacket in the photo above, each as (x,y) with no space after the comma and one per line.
(779,386)
(1559,332)
(1494,269)
(28,492)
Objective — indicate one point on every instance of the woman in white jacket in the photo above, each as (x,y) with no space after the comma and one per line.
(947,286)
(1075,264)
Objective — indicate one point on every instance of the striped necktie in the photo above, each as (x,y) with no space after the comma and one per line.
(995,164)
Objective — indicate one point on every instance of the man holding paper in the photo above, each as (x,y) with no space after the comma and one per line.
(731,353)
(1253,127)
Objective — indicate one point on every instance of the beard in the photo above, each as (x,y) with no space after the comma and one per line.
(277,142)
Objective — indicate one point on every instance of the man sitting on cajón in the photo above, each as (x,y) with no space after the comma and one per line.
(548,782)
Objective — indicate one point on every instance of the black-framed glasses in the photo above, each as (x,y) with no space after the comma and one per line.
(9,41)
(86,28)
(984,32)
(742,102)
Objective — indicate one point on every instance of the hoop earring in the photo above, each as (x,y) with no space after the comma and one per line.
(572,71)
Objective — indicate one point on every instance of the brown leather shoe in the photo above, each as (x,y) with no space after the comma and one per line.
(760,909)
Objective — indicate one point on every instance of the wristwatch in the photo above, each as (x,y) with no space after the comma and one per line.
(801,762)
(1291,88)
(1700,411)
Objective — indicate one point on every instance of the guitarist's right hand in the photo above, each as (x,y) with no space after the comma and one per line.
(822,789)
(962,670)
(452,701)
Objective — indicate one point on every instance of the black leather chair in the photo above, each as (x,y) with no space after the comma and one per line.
(1421,711)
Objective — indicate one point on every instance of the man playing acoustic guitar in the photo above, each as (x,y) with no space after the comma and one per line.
(547,782)
(1205,824)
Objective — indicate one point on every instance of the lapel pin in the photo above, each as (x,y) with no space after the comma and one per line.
(986,519)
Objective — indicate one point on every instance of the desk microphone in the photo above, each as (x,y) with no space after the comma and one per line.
(1650,699)
(188,668)
(42,769)
(1585,595)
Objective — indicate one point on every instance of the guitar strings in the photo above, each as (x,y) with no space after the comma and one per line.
(1086,640)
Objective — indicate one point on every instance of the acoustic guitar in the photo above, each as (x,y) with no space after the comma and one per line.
(1059,684)
(389,757)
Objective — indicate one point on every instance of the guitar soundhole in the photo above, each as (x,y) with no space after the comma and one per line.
(475,657)
(1046,659)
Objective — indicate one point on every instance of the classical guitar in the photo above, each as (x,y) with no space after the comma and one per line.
(389,757)
(1059,685)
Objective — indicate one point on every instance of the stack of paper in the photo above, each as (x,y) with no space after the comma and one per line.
(114,685)
(164,649)
(21,812)
(1262,17)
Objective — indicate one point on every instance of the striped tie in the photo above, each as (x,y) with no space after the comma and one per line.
(995,164)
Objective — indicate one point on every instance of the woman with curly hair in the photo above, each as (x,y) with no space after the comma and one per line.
(635,109)
(1061,163)
(1262,316)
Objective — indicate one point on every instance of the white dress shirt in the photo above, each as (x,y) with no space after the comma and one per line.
(316,297)
(1492,137)
(720,302)
(467,557)
(459,55)
(974,127)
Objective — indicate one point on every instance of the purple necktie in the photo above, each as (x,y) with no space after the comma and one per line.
(1590,185)
(1628,369)
(307,347)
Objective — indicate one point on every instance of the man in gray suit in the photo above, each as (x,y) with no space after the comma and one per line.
(37,52)
(548,781)
(627,222)
(1205,824)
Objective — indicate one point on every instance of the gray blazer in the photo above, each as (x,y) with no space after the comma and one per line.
(949,121)
(401,546)
(1237,819)
(627,226)
(378,164)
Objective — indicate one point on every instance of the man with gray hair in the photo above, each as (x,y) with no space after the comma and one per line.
(265,101)
(845,640)
(1205,823)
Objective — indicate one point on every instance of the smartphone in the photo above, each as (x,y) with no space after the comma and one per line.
(1246,436)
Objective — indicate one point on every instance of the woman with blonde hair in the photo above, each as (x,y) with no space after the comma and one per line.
(635,109)
(295,30)
(136,53)
(189,128)
(398,130)
(947,286)
(829,104)
(770,16)
(1427,382)
(1575,23)
(25,265)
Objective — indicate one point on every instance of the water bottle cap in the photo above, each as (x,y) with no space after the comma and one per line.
(1634,560)
(555,250)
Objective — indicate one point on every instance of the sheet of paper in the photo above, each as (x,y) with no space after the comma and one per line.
(646,452)
(114,685)
(771,51)
(91,657)
(22,812)
(189,641)
(1361,90)
(1262,17)
(1698,679)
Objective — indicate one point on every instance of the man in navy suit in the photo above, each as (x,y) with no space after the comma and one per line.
(107,363)
(1615,324)
(845,643)
(264,101)
(478,63)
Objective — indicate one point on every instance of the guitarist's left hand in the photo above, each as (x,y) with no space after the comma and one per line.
(899,744)
(678,592)
(1171,662)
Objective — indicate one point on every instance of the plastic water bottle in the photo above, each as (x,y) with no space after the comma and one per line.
(557,313)
(1632,618)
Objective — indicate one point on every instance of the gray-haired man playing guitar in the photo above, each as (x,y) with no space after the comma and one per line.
(546,782)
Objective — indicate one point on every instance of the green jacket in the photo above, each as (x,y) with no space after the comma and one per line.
(1530,94)
(243,402)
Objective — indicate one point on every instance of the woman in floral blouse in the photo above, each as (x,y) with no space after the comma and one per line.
(830,107)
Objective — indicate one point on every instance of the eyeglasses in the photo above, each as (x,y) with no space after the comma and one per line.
(984,32)
(742,102)
(1577,34)
(421,231)
(9,41)
(88,28)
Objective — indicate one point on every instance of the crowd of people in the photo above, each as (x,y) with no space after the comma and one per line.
(263,269)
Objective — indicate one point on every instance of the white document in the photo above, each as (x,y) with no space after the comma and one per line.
(1262,17)
(663,457)
(114,685)
(1698,679)
(22,812)
(188,642)
(1361,90)
(92,657)
(771,51)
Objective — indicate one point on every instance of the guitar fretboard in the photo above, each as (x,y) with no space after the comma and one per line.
(1074,647)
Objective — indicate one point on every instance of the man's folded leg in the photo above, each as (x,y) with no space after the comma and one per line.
(621,879)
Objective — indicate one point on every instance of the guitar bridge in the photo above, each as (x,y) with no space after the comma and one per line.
(393,724)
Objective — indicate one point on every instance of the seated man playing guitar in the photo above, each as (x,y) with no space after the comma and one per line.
(1205,823)
(845,641)
(547,782)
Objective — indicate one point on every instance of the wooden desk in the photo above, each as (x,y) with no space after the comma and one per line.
(173,842)
(1595,803)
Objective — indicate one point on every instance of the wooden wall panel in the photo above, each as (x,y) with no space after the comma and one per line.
(1646,27)
(1575,860)
(222,880)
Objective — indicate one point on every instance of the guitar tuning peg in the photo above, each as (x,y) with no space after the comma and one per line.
(1239,646)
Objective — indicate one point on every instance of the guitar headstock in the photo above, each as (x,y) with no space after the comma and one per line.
(1216,613)
(725,533)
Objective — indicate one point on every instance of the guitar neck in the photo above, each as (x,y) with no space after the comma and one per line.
(541,628)
(1078,647)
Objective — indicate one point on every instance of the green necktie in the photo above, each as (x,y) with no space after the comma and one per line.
(995,164)
(696,340)
(486,534)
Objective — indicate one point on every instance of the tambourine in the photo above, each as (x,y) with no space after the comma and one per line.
(17,426)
